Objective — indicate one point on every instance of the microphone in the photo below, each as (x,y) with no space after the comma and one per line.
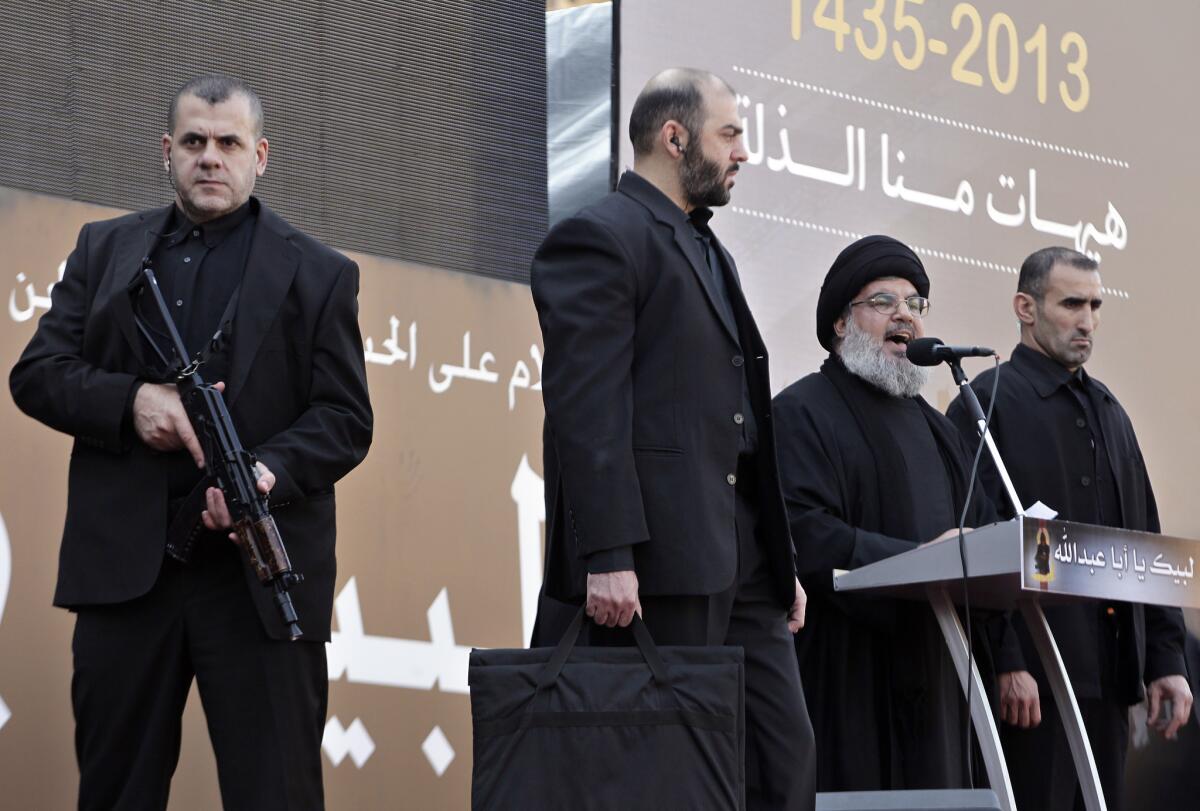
(931,352)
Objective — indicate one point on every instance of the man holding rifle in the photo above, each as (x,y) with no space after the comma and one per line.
(160,593)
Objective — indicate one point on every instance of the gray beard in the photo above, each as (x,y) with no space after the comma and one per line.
(865,358)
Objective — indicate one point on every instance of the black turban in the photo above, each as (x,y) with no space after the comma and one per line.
(861,263)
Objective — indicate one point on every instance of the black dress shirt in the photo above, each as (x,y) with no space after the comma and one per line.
(1073,407)
(199,268)
(699,221)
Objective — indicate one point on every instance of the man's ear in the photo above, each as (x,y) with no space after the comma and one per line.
(674,138)
(261,151)
(1025,308)
(839,327)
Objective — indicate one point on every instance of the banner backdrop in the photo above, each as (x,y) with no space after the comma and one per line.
(977,132)
(439,533)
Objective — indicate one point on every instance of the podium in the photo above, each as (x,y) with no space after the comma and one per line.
(1023,564)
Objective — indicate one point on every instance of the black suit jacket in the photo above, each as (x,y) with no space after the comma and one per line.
(1044,457)
(642,379)
(296,391)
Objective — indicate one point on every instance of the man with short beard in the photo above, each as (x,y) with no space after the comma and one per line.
(1068,443)
(662,494)
(870,470)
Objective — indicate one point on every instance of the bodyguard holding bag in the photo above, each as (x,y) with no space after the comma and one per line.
(662,494)
(637,728)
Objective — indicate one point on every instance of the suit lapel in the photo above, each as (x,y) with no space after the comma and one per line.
(270,268)
(686,239)
(139,242)
(737,298)
(671,215)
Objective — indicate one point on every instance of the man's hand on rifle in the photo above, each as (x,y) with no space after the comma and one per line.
(217,515)
(161,422)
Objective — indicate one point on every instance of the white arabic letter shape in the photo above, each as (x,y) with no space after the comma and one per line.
(862,159)
(5,578)
(527,492)
(891,189)
(1114,226)
(785,161)
(536,353)
(448,374)
(27,313)
(1057,229)
(754,156)
(519,380)
(354,740)
(393,662)
(390,343)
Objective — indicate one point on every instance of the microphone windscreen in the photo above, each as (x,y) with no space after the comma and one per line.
(923,351)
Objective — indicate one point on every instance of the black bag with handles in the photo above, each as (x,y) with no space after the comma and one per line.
(642,728)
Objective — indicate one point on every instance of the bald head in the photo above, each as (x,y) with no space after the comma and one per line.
(675,94)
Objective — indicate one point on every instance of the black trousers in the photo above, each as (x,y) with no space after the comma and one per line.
(780,749)
(264,700)
(1039,759)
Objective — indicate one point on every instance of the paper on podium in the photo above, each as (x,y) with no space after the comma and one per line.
(1040,510)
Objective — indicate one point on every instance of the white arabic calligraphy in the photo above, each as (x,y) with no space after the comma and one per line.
(1071,552)
(390,662)
(442,376)
(5,579)
(33,302)
(394,353)
(1084,236)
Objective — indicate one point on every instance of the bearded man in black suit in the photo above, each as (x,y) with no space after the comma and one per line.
(294,379)
(662,495)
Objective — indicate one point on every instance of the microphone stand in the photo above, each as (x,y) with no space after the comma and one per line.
(981,424)
(976,410)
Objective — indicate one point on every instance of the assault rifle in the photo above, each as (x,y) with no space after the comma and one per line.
(233,468)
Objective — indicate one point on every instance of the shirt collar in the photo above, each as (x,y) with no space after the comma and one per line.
(1045,373)
(211,232)
(699,218)
(652,197)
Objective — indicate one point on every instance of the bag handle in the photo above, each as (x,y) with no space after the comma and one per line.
(641,636)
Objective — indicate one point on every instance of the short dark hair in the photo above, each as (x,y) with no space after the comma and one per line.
(214,89)
(1037,266)
(675,94)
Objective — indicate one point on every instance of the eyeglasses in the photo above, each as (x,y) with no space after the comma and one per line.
(889,304)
